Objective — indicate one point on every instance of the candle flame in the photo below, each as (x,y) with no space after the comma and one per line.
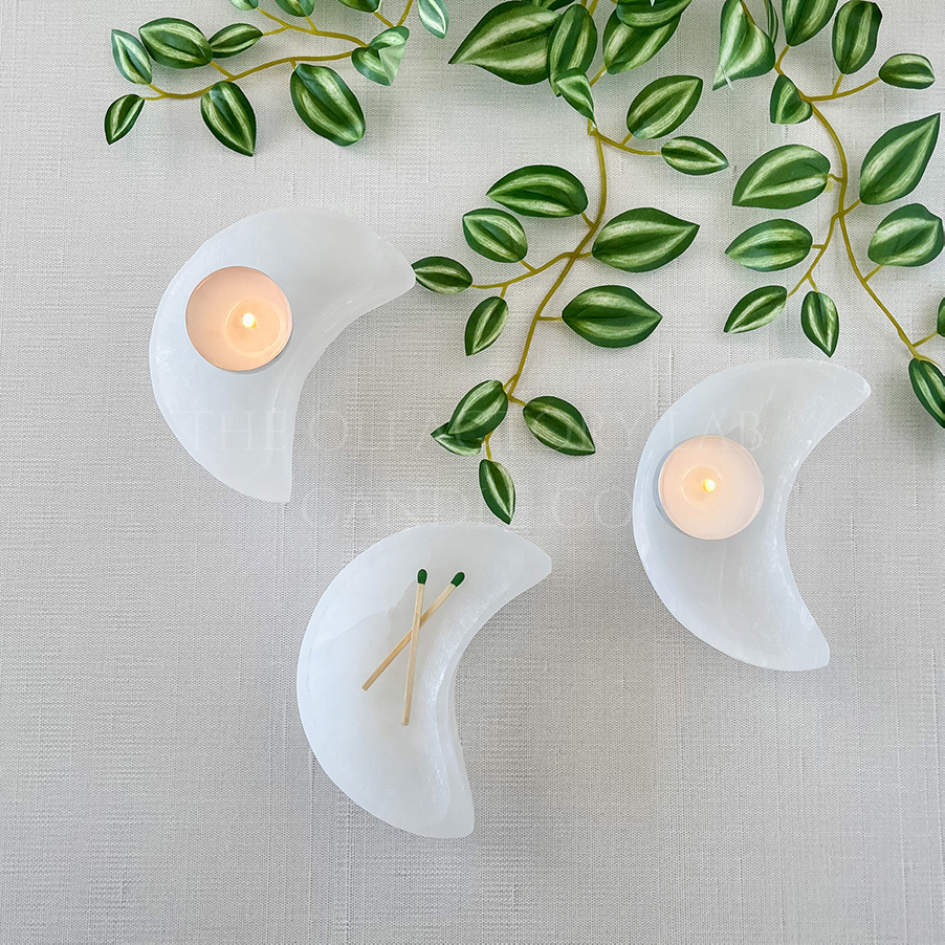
(249,320)
(708,485)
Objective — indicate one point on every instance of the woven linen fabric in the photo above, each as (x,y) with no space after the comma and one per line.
(632,785)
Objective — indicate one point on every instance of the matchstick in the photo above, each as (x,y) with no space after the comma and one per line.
(414,640)
(457,580)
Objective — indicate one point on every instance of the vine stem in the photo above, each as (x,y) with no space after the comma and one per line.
(528,275)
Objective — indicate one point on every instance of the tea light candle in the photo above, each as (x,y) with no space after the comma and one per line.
(711,487)
(238,319)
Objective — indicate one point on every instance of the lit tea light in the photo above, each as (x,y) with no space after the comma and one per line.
(711,487)
(238,319)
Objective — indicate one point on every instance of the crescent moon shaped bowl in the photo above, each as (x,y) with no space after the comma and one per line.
(739,594)
(240,426)
(412,776)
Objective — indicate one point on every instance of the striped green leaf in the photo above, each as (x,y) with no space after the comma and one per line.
(907,71)
(175,43)
(783,178)
(940,324)
(745,50)
(757,309)
(929,386)
(326,104)
(627,47)
(232,40)
(774,24)
(575,89)
(454,444)
(511,41)
(820,322)
(479,412)
(804,19)
(121,117)
(297,7)
(650,14)
(131,57)
(894,165)
(552,4)
(693,156)
(379,61)
(558,424)
(434,16)
(497,489)
(495,234)
(663,106)
(245,4)
(771,246)
(572,45)
(226,111)
(644,239)
(485,324)
(540,190)
(442,274)
(611,316)
(362,6)
(787,106)
(855,32)
(910,236)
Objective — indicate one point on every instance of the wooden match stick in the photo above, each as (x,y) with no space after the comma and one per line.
(414,640)
(457,580)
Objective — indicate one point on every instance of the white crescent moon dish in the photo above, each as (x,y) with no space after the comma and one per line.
(412,776)
(240,426)
(739,594)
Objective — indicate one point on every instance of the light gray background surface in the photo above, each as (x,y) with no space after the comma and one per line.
(632,784)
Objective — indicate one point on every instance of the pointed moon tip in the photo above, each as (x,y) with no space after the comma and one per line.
(458,579)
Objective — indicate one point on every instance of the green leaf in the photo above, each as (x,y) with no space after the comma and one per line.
(804,19)
(757,309)
(485,324)
(176,44)
(131,57)
(929,386)
(650,14)
(907,71)
(745,49)
(787,106)
(644,239)
(245,4)
(558,424)
(909,236)
(497,489)
(895,164)
(627,47)
(854,35)
(820,321)
(774,23)
(771,246)
(495,234)
(611,316)
(510,41)
(362,6)
(442,274)
(940,324)
(326,104)
(454,444)
(232,40)
(783,178)
(297,7)
(552,4)
(693,156)
(479,412)
(663,106)
(226,111)
(434,16)
(575,89)
(379,61)
(540,190)
(121,117)
(572,45)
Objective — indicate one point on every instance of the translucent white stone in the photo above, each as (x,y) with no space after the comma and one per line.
(739,594)
(240,426)
(412,776)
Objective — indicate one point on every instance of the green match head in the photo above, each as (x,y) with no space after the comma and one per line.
(421,576)
(458,579)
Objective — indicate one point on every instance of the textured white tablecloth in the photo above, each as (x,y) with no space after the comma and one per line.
(632,784)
